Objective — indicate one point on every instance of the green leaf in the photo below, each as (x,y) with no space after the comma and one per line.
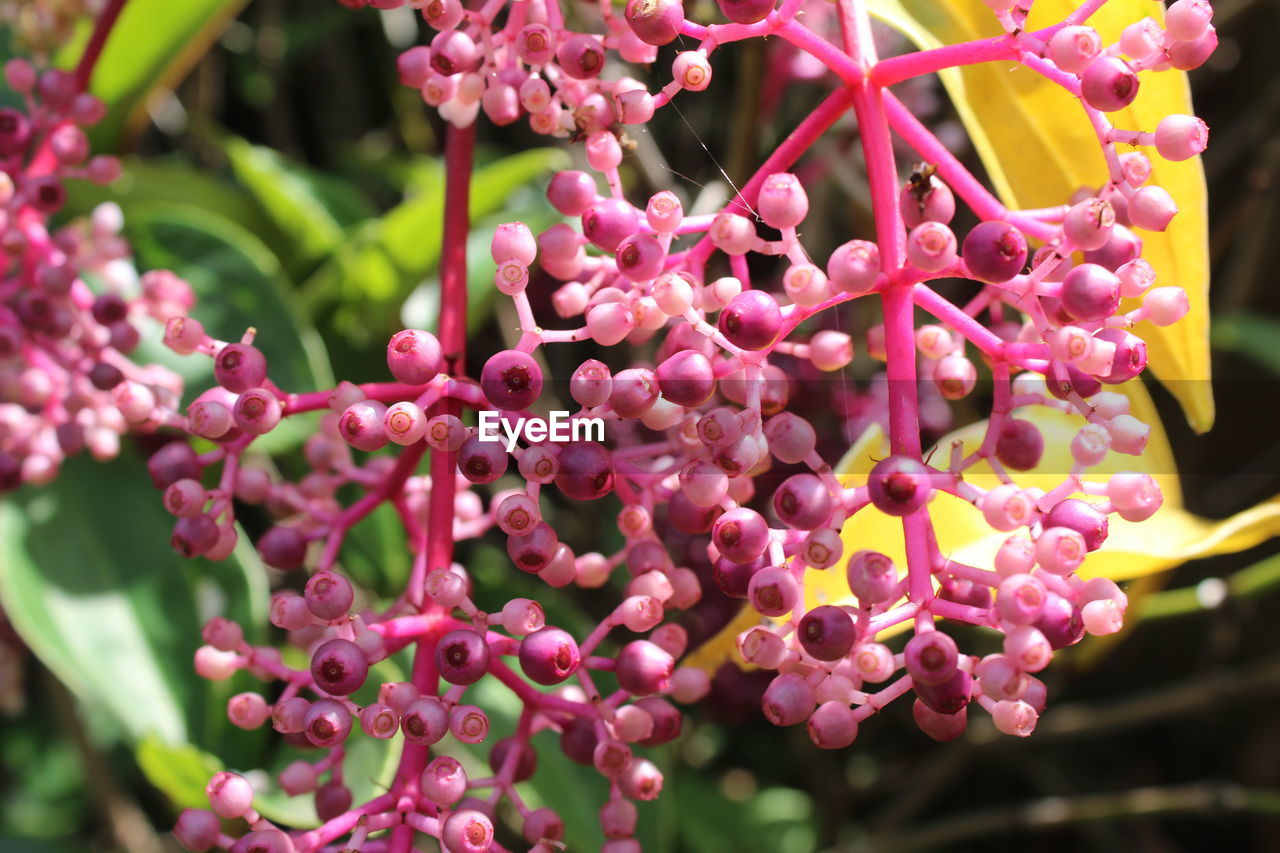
(175,182)
(91,585)
(238,285)
(288,198)
(383,260)
(179,771)
(422,308)
(152,47)
(1254,336)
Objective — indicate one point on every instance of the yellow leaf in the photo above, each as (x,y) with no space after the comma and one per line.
(1038,148)
(1170,537)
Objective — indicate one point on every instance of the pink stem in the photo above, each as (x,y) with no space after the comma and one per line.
(93,50)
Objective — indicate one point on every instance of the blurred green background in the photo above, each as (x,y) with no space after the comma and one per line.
(297,186)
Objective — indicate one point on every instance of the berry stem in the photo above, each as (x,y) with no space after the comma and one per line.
(97,41)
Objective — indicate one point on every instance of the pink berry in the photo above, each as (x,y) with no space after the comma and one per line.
(834,725)
(854,266)
(931,246)
(788,700)
(581,56)
(414,357)
(655,22)
(782,202)
(1181,137)
(1073,48)
(230,795)
(1108,84)
(926,201)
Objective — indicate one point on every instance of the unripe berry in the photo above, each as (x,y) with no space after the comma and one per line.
(197,830)
(773,591)
(834,725)
(782,202)
(1181,137)
(414,357)
(1088,224)
(328,595)
(239,367)
(644,668)
(931,246)
(803,502)
(467,831)
(1073,48)
(854,266)
(230,795)
(788,700)
(691,70)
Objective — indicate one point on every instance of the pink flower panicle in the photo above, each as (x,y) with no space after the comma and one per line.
(690,431)
(72,306)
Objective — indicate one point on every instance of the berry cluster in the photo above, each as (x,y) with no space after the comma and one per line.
(71,303)
(691,427)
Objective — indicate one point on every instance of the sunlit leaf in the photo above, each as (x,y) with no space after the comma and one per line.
(1132,550)
(1038,149)
(91,585)
(152,47)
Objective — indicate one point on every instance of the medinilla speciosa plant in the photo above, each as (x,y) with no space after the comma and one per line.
(695,338)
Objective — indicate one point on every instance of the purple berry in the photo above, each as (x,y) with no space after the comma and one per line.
(899,485)
(686,378)
(949,697)
(481,461)
(931,658)
(462,656)
(586,471)
(1082,517)
(339,667)
(803,502)
(745,11)
(511,380)
(1108,84)
(751,320)
(994,251)
(644,668)
(283,548)
(239,367)
(1019,445)
(827,632)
